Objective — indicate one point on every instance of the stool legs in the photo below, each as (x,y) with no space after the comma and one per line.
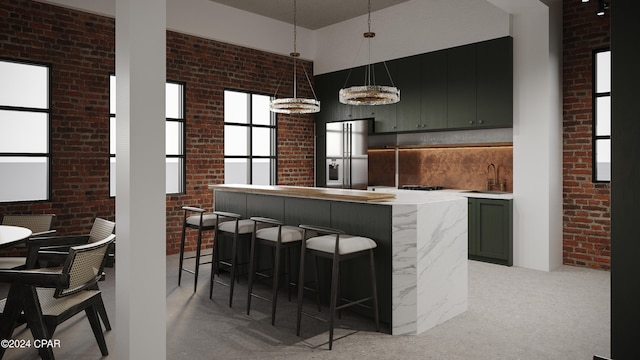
(334,301)
(276,277)
(234,265)
(184,229)
(374,289)
(197,257)
(252,272)
(198,251)
(214,261)
(335,279)
(300,286)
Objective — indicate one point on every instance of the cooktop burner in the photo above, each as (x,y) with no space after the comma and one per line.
(420,187)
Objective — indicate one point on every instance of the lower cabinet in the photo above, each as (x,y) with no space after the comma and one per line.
(491,230)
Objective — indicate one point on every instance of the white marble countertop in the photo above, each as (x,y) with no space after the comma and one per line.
(417,196)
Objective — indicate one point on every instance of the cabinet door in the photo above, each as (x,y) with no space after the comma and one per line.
(408,81)
(385,115)
(344,79)
(433,104)
(490,230)
(461,90)
(495,82)
(327,95)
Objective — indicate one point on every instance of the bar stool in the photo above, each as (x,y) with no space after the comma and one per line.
(337,246)
(201,222)
(239,228)
(282,238)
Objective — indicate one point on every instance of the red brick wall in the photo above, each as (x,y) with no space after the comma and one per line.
(81,50)
(587,215)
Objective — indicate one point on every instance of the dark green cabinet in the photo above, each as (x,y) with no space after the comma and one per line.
(461,87)
(328,97)
(480,84)
(408,81)
(491,230)
(495,82)
(465,87)
(385,116)
(433,85)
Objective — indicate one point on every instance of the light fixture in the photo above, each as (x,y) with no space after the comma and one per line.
(370,93)
(585,1)
(603,6)
(295,105)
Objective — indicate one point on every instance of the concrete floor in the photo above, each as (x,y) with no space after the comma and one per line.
(514,313)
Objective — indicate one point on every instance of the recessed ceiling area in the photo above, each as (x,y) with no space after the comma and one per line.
(311,14)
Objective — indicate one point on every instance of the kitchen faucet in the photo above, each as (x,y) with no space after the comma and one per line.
(492,181)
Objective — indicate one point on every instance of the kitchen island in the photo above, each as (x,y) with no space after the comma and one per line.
(421,258)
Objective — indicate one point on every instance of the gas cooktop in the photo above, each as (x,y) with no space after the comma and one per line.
(420,187)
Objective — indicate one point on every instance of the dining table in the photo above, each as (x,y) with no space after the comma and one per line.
(13,235)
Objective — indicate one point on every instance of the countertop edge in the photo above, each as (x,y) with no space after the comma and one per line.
(309,192)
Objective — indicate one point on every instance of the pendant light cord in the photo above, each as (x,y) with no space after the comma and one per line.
(370,74)
(294,54)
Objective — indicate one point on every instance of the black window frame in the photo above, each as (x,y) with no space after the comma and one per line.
(47,111)
(594,117)
(183,120)
(273,176)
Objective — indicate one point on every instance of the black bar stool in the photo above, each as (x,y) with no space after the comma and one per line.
(337,246)
(239,228)
(201,222)
(282,238)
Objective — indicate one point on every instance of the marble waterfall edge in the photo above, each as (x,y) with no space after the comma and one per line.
(429,274)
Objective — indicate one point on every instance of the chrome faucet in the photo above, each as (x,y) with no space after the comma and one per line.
(491,182)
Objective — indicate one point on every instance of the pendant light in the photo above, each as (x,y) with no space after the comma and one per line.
(295,105)
(370,93)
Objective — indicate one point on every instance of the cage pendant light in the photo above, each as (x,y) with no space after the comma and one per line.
(370,93)
(295,105)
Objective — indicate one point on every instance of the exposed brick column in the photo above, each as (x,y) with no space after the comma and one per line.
(587,216)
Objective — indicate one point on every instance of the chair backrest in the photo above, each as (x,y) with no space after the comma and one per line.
(37,223)
(84,265)
(101,229)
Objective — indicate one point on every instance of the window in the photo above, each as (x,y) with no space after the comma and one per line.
(25,116)
(175,137)
(602,116)
(249,139)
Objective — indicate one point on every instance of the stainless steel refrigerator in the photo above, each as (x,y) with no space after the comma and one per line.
(347,159)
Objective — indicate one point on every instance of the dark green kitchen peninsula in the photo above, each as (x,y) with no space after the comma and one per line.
(421,255)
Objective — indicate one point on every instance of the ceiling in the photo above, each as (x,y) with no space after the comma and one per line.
(311,14)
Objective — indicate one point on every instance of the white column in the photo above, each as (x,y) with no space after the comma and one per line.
(537,132)
(140,179)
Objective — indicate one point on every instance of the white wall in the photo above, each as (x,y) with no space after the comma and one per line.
(537,133)
(210,20)
(409,28)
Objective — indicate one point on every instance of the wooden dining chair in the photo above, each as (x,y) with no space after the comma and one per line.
(47,297)
(54,251)
(39,224)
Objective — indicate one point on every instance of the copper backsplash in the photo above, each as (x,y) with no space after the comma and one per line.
(450,167)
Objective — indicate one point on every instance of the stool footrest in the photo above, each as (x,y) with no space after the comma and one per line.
(193,257)
(314,316)
(355,302)
(260,297)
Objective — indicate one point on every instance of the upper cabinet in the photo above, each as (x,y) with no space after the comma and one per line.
(433,87)
(494,101)
(465,87)
(461,87)
(480,84)
(408,81)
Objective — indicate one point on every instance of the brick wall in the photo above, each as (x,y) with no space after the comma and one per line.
(81,50)
(586,237)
